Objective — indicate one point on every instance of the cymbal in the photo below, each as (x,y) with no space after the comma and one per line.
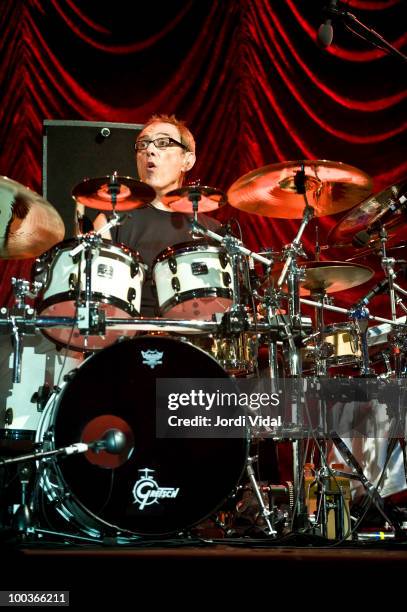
(97,193)
(326,276)
(29,225)
(395,247)
(370,216)
(271,191)
(209,198)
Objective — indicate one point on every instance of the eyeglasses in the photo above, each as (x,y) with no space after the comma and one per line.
(161,143)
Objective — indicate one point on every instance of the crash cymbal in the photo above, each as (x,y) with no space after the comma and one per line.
(361,226)
(209,198)
(326,276)
(273,191)
(97,193)
(29,225)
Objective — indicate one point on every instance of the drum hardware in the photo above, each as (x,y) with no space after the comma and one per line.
(328,496)
(360,317)
(21,320)
(22,517)
(345,311)
(373,495)
(264,512)
(113,441)
(30,225)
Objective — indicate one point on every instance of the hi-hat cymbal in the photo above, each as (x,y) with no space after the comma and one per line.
(128,192)
(361,226)
(29,225)
(209,198)
(273,191)
(326,276)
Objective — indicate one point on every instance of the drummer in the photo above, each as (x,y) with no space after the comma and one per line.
(165,152)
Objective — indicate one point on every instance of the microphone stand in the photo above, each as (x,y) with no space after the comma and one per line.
(352,19)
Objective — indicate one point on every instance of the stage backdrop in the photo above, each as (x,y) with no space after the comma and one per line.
(246,75)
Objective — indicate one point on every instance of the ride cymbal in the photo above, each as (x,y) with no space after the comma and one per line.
(29,225)
(277,190)
(99,193)
(326,276)
(209,198)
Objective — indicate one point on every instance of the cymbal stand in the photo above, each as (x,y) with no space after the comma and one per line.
(396,337)
(388,268)
(90,317)
(293,275)
(347,312)
(194,197)
(360,317)
(290,269)
(272,305)
(21,319)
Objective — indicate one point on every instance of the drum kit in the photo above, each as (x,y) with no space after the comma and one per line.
(217,313)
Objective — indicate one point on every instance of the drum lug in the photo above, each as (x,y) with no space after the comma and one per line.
(41,397)
(226,279)
(134,268)
(131,294)
(172,264)
(72,282)
(8,416)
(175,284)
(223,259)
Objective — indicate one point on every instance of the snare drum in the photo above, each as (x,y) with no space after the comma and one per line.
(344,339)
(193,281)
(237,354)
(340,348)
(156,485)
(117,277)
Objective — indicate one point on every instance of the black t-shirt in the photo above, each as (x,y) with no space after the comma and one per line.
(149,231)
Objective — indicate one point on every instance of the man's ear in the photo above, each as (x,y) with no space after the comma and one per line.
(189,161)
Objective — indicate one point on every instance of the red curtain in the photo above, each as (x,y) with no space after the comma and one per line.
(246,75)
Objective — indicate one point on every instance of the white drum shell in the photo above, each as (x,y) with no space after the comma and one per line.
(42,366)
(200,294)
(117,277)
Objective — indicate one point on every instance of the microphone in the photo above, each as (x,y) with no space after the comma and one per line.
(325,30)
(113,441)
(379,288)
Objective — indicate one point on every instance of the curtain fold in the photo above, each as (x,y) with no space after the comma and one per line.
(246,75)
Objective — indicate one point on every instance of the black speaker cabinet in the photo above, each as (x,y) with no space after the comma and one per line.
(75,150)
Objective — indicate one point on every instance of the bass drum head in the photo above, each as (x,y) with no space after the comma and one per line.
(116,388)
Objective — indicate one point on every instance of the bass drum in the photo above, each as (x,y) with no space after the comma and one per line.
(156,486)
